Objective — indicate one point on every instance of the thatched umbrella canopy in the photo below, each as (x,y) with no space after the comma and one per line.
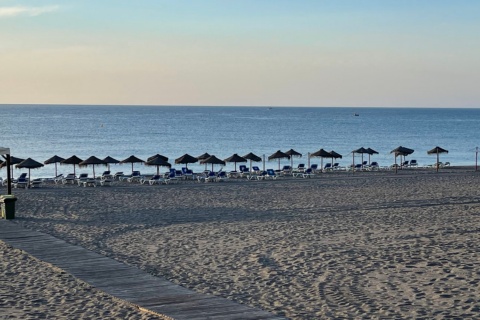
(109,160)
(212,160)
(401,151)
(55,159)
(235,158)
(132,159)
(437,150)
(158,162)
(321,154)
(253,158)
(29,163)
(13,161)
(158,156)
(361,151)
(92,161)
(278,155)
(370,152)
(186,159)
(204,156)
(72,160)
(292,153)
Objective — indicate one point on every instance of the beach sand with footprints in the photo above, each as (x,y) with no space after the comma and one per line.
(369,245)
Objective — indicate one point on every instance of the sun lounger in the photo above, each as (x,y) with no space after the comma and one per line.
(21,183)
(70,178)
(308,173)
(36,183)
(82,178)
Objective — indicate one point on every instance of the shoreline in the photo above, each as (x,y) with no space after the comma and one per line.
(326,247)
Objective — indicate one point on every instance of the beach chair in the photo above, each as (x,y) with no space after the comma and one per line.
(106,175)
(36,183)
(243,169)
(336,166)
(286,170)
(300,167)
(308,173)
(373,166)
(256,170)
(187,174)
(271,174)
(156,179)
(70,178)
(58,178)
(222,176)
(327,167)
(314,167)
(171,178)
(118,175)
(21,183)
(405,164)
(82,178)
(136,176)
(211,177)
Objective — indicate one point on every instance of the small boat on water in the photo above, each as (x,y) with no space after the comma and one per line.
(356,114)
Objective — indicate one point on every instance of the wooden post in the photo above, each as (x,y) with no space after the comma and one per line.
(9,176)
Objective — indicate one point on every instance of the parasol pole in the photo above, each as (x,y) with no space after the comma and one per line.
(55,169)
(353,162)
(9,176)
(263,162)
(437,160)
(396,168)
(308,155)
(476,159)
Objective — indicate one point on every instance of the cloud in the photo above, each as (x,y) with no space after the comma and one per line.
(26,11)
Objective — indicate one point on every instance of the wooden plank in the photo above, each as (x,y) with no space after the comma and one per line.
(126,282)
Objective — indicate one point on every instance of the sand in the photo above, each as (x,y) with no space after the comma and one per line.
(363,246)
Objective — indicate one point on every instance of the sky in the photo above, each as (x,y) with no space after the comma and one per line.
(351,53)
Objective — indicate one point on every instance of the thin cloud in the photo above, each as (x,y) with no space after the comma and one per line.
(26,11)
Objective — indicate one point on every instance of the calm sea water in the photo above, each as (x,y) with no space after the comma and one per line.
(40,132)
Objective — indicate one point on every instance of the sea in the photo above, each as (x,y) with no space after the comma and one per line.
(42,131)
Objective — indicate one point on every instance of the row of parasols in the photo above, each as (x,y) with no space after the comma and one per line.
(159,160)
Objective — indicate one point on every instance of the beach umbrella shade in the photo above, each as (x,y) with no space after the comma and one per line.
(278,155)
(13,161)
(132,159)
(91,161)
(55,159)
(72,160)
(292,153)
(335,155)
(158,156)
(212,160)
(437,150)
(401,151)
(321,154)
(203,157)
(158,162)
(370,152)
(29,163)
(235,158)
(109,160)
(186,159)
(253,158)
(361,151)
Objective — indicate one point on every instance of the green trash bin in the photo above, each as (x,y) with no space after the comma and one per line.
(7,203)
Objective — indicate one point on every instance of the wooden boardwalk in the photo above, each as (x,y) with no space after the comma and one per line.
(125,282)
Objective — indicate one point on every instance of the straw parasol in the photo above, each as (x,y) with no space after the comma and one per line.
(212,160)
(13,161)
(370,152)
(335,155)
(72,160)
(55,159)
(292,153)
(92,161)
(361,151)
(437,150)
(203,157)
(401,151)
(158,156)
(158,162)
(253,158)
(132,159)
(278,155)
(186,159)
(235,158)
(30,164)
(109,160)
(322,154)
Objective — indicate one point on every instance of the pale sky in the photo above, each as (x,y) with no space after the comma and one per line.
(383,53)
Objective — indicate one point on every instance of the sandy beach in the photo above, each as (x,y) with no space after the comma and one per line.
(373,245)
